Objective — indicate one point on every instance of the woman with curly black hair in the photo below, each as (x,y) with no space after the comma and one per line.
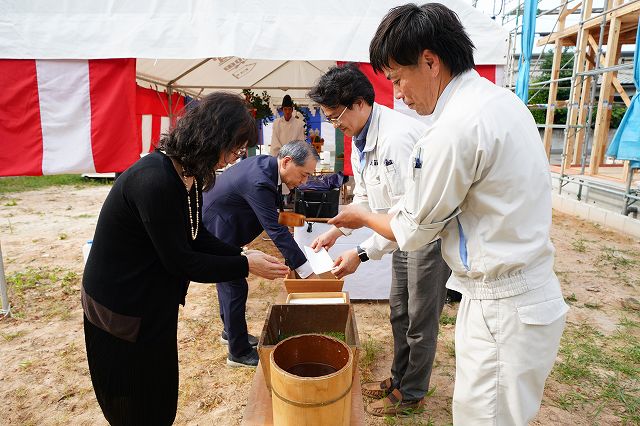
(148,245)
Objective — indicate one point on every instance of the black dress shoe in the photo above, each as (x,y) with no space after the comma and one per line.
(253,340)
(249,360)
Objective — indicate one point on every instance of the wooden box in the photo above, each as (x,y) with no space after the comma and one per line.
(289,320)
(299,285)
(323,298)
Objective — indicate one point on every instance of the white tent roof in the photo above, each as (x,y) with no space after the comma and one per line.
(290,43)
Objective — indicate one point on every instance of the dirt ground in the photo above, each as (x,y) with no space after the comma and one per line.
(44,378)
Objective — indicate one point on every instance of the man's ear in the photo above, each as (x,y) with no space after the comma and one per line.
(430,58)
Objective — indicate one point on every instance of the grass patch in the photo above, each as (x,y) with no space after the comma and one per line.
(84,216)
(32,183)
(446,319)
(370,350)
(571,299)
(26,364)
(409,418)
(579,245)
(602,372)
(450,348)
(615,258)
(43,292)
(10,336)
(626,322)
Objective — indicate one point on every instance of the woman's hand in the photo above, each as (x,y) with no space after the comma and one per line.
(265,266)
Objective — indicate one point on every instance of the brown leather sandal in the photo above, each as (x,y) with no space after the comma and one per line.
(377,390)
(393,405)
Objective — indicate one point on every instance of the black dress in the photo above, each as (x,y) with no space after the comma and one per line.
(140,265)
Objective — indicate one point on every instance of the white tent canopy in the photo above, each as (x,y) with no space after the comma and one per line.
(335,30)
(290,43)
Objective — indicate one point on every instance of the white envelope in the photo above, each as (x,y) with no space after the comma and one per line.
(320,262)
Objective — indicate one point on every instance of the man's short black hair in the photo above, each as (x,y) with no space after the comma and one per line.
(406,31)
(342,86)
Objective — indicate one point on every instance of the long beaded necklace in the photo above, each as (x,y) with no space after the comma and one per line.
(194,234)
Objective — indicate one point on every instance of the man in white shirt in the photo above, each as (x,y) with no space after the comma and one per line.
(289,127)
(480,181)
(382,142)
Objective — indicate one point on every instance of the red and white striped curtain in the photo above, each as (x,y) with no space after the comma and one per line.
(152,116)
(67,116)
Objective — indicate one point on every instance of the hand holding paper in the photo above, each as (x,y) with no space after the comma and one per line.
(320,262)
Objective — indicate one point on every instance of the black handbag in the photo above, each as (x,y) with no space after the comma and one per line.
(316,204)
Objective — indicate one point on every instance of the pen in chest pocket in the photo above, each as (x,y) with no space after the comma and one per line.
(417,163)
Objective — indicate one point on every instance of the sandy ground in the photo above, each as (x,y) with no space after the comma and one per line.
(44,379)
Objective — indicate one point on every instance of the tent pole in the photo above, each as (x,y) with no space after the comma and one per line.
(6,308)
(198,65)
(276,69)
(170,95)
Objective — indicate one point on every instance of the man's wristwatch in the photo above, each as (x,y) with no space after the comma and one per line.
(362,254)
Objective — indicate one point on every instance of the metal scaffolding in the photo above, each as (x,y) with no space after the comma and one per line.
(597,40)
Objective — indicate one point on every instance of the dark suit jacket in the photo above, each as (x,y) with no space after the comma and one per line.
(244,201)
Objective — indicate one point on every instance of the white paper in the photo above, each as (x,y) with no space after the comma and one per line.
(317,301)
(320,262)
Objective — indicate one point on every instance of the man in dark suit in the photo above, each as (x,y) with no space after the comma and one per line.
(243,202)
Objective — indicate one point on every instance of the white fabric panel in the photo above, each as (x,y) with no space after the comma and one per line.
(146,133)
(40,29)
(267,132)
(372,280)
(165,123)
(328,133)
(500,75)
(65,114)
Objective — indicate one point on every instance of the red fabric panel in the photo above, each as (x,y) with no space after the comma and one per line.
(155,131)
(487,71)
(150,102)
(156,104)
(382,86)
(112,88)
(20,128)
(348,169)
(139,132)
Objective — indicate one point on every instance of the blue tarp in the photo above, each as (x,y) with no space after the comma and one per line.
(528,33)
(625,144)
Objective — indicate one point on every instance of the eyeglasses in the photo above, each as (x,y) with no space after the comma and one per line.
(232,157)
(241,152)
(335,121)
